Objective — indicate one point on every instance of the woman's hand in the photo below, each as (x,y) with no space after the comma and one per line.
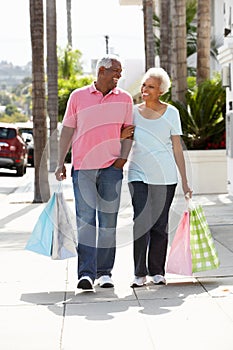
(127,132)
(187,191)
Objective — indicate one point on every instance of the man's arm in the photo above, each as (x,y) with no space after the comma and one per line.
(64,146)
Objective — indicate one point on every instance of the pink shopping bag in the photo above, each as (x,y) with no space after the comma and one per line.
(179,260)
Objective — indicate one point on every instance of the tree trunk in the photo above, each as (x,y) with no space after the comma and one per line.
(52,76)
(148,10)
(179,50)
(41,184)
(203,40)
(69,24)
(165,36)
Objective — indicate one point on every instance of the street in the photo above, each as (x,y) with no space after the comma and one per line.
(9,182)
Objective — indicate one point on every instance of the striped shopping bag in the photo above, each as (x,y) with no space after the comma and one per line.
(203,251)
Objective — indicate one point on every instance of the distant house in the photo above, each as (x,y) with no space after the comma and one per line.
(11,75)
(2,109)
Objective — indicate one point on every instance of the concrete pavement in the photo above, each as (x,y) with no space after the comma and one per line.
(40,308)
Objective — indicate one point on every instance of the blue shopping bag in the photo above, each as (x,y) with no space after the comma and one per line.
(41,237)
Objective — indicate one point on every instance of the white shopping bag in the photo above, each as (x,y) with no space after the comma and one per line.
(65,232)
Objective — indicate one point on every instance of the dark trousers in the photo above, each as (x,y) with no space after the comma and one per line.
(151,204)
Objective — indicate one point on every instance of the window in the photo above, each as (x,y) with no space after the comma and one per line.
(7,133)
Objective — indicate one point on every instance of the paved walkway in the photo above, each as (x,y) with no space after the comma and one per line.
(40,308)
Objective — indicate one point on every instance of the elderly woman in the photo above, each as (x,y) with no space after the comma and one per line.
(152,175)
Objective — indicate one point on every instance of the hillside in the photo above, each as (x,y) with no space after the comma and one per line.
(11,75)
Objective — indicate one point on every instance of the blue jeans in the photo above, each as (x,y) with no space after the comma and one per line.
(151,204)
(97,200)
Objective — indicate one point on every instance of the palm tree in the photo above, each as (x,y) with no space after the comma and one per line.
(41,184)
(203,40)
(69,63)
(148,10)
(191,12)
(179,50)
(163,41)
(52,76)
(165,36)
(69,25)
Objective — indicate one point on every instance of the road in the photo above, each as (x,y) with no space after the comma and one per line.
(9,182)
(16,189)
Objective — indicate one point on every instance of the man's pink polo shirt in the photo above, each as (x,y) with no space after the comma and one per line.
(97,121)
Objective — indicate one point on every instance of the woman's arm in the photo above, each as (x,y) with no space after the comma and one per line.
(180,162)
(126,144)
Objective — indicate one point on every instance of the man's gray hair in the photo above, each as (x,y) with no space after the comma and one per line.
(161,74)
(106,61)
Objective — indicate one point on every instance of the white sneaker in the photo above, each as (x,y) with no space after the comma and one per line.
(138,282)
(85,283)
(105,282)
(158,279)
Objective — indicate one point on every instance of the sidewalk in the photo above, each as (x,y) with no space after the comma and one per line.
(41,309)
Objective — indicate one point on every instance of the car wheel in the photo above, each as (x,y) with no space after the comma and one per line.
(21,170)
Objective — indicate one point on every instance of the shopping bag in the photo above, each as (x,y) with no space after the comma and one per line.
(40,240)
(179,258)
(204,254)
(55,234)
(64,234)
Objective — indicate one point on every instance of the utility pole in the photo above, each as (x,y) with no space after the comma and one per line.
(106,40)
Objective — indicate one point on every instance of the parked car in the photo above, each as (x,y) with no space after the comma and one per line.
(13,149)
(26,128)
(26,131)
(28,139)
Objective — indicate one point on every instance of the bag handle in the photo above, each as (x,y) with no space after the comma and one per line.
(189,201)
(59,187)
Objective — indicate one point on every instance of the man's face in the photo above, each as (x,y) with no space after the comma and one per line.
(112,74)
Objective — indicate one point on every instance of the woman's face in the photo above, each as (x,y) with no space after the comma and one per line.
(150,89)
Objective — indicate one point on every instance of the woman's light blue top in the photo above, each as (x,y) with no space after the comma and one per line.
(151,159)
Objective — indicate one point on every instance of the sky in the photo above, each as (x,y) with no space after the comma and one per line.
(92,20)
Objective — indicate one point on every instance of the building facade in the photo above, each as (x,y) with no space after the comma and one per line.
(225,56)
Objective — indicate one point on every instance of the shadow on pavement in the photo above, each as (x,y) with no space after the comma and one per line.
(101,305)
(17,214)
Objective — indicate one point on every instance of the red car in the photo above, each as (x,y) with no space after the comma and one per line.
(13,150)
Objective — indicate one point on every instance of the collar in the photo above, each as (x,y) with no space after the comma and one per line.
(93,89)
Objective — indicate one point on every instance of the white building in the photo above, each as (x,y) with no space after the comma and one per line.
(226,60)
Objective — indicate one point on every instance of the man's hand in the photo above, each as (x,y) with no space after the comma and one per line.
(60,172)
(119,163)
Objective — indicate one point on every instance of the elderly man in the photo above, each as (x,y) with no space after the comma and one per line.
(94,118)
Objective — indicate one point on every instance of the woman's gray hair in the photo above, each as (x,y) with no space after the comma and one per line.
(106,62)
(161,74)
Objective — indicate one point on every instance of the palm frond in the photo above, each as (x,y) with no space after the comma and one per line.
(203,119)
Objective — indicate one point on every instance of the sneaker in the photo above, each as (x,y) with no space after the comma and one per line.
(105,282)
(158,279)
(85,283)
(138,282)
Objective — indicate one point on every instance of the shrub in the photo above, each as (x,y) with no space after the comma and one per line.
(203,119)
